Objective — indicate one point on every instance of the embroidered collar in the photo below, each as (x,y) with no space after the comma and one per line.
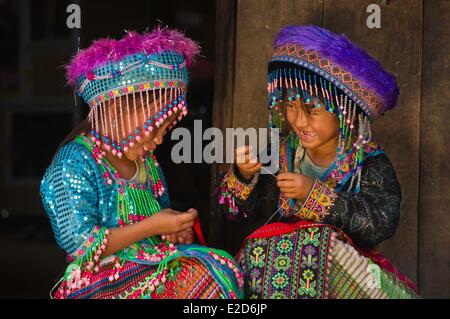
(334,177)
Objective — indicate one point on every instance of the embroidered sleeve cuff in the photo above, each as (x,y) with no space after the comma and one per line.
(233,191)
(317,204)
(92,248)
(237,187)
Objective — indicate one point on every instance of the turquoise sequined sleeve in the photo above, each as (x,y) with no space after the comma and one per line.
(70,197)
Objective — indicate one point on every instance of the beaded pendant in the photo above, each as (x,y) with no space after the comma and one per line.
(136,201)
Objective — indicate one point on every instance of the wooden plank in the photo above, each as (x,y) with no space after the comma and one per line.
(300,12)
(434,203)
(223,98)
(397,45)
(257,24)
(224,66)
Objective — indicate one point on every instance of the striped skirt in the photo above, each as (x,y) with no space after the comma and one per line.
(196,273)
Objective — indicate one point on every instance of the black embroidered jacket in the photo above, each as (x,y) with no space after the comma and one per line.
(368,217)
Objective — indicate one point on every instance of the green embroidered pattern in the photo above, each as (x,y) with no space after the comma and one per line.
(287,266)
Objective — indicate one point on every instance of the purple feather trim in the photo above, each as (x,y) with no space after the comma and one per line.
(110,50)
(341,51)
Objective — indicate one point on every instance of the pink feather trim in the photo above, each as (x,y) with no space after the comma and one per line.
(110,50)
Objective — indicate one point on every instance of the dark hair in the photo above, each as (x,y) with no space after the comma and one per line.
(81,127)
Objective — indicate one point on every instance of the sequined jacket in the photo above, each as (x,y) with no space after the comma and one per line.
(77,199)
(368,217)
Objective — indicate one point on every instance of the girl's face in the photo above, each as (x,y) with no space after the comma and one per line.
(147,142)
(314,126)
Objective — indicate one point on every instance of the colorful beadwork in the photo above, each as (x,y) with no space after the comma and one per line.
(92,248)
(333,74)
(232,188)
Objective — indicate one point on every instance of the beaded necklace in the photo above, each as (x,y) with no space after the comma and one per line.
(136,201)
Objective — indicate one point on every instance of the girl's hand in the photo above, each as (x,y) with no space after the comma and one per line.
(172,222)
(183,237)
(246,162)
(296,186)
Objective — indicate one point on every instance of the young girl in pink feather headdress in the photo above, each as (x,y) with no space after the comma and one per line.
(105,192)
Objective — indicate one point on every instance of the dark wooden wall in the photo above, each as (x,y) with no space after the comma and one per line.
(434,196)
(413,44)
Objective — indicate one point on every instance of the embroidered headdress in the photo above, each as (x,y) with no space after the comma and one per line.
(134,67)
(309,61)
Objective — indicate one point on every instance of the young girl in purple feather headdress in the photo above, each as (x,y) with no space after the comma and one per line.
(336,194)
(105,192)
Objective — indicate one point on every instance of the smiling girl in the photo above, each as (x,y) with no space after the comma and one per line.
(105,192)
(336,194)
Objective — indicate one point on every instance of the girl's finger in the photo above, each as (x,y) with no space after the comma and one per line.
(246,155)
(181,238)
(242,154)
(288,189)
(171,239)
(189,239)
(188,217)
(243,149)
(253,159)
(288,192)
(255,166)
(285,184)
(187,225)
(191,210)
(285,176)
(242,158)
